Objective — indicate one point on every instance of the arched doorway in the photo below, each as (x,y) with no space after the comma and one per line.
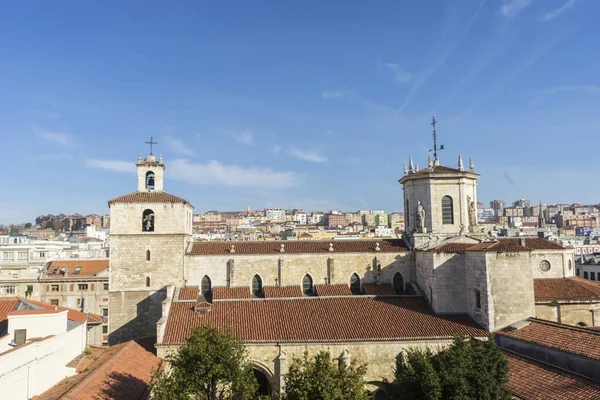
(264,384)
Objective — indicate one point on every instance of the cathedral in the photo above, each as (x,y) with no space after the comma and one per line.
(363,299)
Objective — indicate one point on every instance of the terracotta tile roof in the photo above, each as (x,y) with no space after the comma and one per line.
(514,245)
(120,372)
(189,293)
(451,248)
(233,292)
(532,379)
(374,289)
(557,336)
(272,292)
(299,247)
(148,197)
(321,319)
(565,289)
(333,290)
(7,305)
(88,268)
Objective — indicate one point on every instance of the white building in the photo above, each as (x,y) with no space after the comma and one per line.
(37,344)
(300,218)
(275,214)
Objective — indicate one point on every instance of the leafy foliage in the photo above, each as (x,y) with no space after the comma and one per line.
(211,365)
(467,370)
(323,378)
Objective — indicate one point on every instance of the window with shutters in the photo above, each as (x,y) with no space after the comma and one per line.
(447,211)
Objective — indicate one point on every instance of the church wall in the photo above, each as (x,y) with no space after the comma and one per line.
(548,312)
(295,266)
(570,313)
(424,274)
(417,190)
(134,314)
(559,263)
(158,170)
(477,279)
(170,218)
(450,281)
(511,288)
(380,357)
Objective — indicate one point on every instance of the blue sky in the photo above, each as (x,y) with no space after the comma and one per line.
(305,104)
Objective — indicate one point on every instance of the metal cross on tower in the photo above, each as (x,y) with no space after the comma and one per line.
(151,142)
(435,148)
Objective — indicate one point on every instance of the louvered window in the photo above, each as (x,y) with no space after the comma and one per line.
(447,211)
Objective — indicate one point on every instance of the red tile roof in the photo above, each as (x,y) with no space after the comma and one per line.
(148,197)
(88,268)
(532,379)
(272,292)
(321,319)
(374,289)
(299,247)
(515,245)
(189,293)
(233,292)
(451,248)
(120,372)
(7,305)
(581,341)
(565,289)
(340,289)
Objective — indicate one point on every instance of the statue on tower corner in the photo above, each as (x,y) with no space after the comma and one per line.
(420,218)
(472,214)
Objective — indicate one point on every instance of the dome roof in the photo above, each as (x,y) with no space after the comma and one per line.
(150,158)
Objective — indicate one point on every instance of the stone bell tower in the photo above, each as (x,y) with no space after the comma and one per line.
(439,201)
(150,230)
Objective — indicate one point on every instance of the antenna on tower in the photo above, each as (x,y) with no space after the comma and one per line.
(436,161)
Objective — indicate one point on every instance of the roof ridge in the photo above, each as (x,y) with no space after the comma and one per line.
(564,326)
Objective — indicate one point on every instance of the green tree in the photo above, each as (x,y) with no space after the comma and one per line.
(468,369)
(324,378)
(211,365)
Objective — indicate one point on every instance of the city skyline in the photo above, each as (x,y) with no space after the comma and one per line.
(282,106)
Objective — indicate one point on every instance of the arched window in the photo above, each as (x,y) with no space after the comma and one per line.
(355,284)
(147,281)
(257,286)
(582,324)
(398,283)
(206,288)
(148,221)
(147,255)
(447,211)
(149,180)
(307,285)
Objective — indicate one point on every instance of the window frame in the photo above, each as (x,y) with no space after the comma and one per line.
(447,219)
(308,287)
(394,284)
(355,285)
(54,288)
(83,287)
(258,282)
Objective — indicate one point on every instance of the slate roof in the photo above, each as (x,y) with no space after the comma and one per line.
(571,339)
(120,372)
(148,197)
(565,289)
(88,268)
(333,290)
(299,247)
(532,379)
(321,319)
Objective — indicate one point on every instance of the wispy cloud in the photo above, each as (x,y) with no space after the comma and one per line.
(400,75)
(577,89)
(511,8)
(276,149)
(216,173)
(245,137)
(332,94)
(557,11)
(57,137)
(307,155)
(109,165)
(177,146)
